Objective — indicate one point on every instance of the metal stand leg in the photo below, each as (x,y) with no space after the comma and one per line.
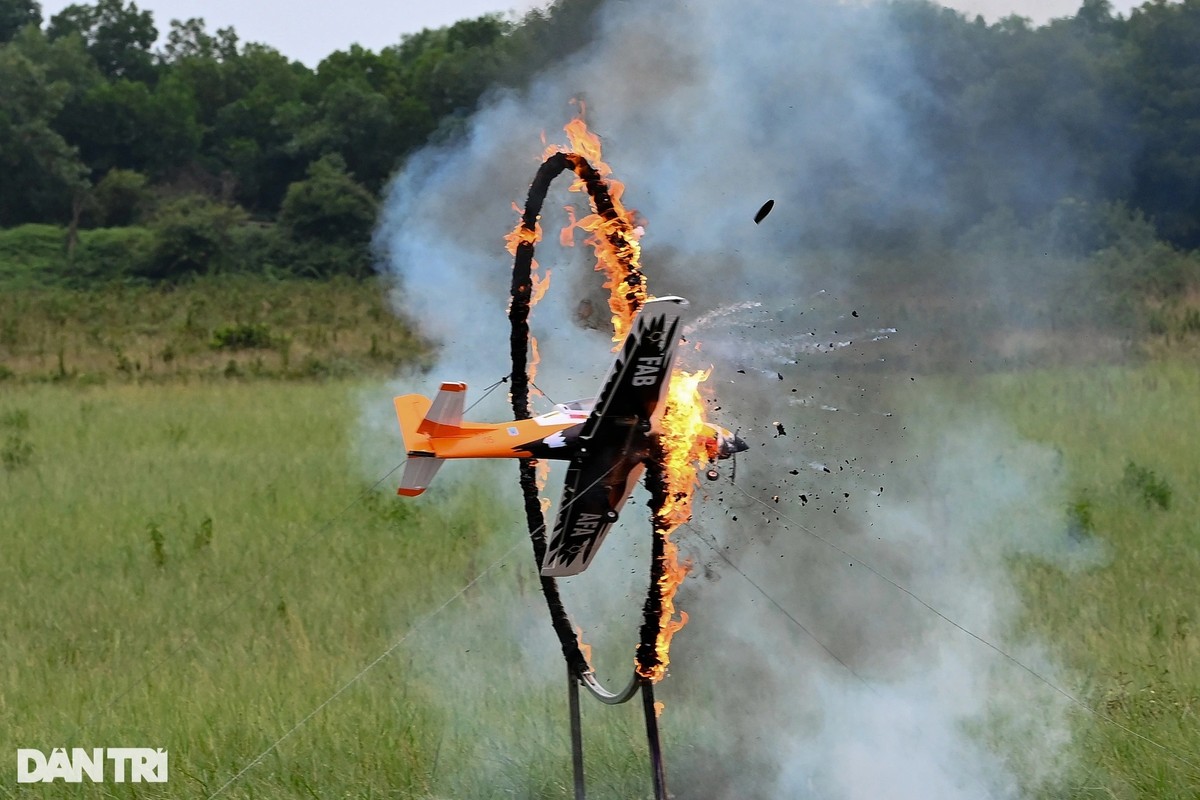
(656,760)
(576,733)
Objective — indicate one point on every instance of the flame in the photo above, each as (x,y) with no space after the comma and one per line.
(541,476)
(614,238)
(541,283)
(682,436)
(658,708)
(566,237)
(535,358)
(584,647)
(520,235)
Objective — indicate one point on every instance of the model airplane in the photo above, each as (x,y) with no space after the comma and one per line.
(606,440)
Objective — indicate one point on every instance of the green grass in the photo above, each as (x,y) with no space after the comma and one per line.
(1130,627)
(184,567)
(176,573)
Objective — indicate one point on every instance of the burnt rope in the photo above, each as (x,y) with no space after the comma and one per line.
(618,234)
(648,657)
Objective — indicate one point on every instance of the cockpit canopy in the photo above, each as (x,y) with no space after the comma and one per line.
(577,408)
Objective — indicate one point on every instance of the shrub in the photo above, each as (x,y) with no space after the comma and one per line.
(16,452)
(111,253)
(32,254)
(1152,489)
(242,336)
(120,198)
(1080,518)
(259,248)
(328,218)
(1191,321)
(193,236)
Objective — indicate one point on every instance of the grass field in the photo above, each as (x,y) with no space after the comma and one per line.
(186,566)
(177,570)
(1130,437)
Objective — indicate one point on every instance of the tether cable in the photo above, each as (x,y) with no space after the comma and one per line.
(375,662)
(778,606)
(487,390)
(371,665)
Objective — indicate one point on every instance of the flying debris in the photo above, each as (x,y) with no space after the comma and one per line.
(762,212)
(606,441)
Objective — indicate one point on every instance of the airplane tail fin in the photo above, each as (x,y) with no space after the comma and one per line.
(420,419)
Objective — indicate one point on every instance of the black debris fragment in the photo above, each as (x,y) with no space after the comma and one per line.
(854,313)
(804,499)
(795,472)
(762,212)
(779,427)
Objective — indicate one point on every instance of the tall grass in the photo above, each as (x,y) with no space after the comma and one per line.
(1129,437)
(185,567)
(229,326)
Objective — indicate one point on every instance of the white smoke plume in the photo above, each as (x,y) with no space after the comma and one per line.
(708,108)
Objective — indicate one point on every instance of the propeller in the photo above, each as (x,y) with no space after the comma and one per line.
(733,458)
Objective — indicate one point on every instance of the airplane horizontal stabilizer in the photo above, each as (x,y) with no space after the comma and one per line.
(418,474)
(420,418)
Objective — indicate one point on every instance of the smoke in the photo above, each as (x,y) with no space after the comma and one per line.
(708,108)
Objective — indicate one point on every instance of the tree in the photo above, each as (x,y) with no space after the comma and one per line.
(329,218)
(1166,64)
(119,37)
(17,14)
(190,39)
(358,124)
(129,125)
(41,175)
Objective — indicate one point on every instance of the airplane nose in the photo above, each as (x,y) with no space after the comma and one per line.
(739,444)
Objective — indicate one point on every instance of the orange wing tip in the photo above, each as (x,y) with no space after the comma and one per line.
(453,386)
(409,492)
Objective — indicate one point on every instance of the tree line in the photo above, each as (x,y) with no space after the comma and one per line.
(211,139)
(208,139)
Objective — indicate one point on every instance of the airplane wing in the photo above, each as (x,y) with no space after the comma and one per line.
(613,439)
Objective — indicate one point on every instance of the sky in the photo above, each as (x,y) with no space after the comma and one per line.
(317,28)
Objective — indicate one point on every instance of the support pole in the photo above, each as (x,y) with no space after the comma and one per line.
(656,760)
(576,733)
